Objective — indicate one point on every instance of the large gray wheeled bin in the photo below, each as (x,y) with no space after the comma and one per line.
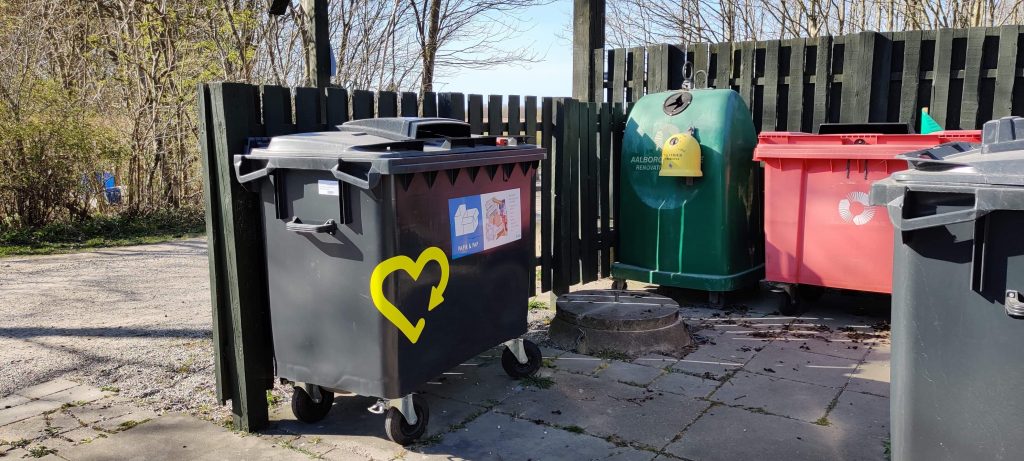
(396,249)
(958,318)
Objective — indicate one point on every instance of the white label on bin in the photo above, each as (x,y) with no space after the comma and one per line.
(481,222)
(327,187)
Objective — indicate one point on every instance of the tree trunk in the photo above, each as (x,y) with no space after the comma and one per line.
(430,46)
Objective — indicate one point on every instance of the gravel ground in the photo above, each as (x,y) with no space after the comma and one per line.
(132,318)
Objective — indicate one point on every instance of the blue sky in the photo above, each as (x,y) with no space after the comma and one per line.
(552,76)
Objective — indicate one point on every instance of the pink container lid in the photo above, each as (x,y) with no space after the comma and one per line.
(783,144)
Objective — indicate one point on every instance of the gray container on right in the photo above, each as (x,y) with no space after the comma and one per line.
(957,314)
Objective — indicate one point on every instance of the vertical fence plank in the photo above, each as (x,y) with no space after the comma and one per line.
(276,108)
(387,104)
(409,105)
(638,67)
(879,47)
(911,77)
(429,104)
(223,340)
(546,189)
(530,113)
(940,85)
(476,114)
(701,65)
(604,186)
(657,68)
(1006,71)
(576,125)
(584,199)
(337,107)
(822,81)
(362,104)
(723,63)
(972,78)
(618,78)
(857,62)
(515,123)
(770,99)
(494,115)
(235,112)
(795,111)
(590,201)
(598,75)
(451,105)
(747,73)
(560,252)
(307,110)
(618,123)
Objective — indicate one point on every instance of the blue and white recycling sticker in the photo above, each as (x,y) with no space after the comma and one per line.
(481,222)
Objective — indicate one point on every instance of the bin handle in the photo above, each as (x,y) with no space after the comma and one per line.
(241,161)
(895,208)
(296,225)
(371,181)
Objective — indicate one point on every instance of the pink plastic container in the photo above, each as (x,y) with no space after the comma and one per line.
(818,227)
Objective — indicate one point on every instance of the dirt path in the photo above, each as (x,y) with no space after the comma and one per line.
(136,319)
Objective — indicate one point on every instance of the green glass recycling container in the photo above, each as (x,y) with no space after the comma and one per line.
(683,230)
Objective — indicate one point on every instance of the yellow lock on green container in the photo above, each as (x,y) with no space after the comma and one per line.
(685,227)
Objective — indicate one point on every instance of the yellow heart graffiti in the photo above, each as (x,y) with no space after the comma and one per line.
(414,268)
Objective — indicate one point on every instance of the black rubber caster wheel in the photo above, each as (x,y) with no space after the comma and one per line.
(789,305)
(400,431)
(308,411)
(521,370)
(619,284)
(809,293)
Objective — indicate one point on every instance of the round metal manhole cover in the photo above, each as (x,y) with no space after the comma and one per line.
(617,310)
(677,102)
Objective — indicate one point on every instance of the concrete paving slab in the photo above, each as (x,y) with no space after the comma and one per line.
(47,388)
(729,434)
(629,373)
(684,384)
(12,401)
(550,352)
(176,437)
(806,402)
(100,411)
(872,375)
(343,454)
(60,422)
(708,361)
(127,421)
(26,429)
(655,360)
(787,360)
(501,437)
(77,395)
(482,384)
(864,417)
(351,428)
(826,344)
(27,410)
(600,407)
(578,363)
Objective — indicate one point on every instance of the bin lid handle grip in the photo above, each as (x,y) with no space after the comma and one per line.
(895,208)
(371,180)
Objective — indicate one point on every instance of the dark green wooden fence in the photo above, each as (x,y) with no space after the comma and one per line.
(575,225)
(964,76)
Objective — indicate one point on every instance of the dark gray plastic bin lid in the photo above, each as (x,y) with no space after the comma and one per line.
(362,150)
(993,172)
